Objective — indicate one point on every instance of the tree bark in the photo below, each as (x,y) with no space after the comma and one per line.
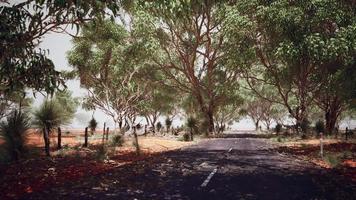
(46,141)
(59,132)
(136,141)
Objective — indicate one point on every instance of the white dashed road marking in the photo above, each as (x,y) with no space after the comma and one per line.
(205,183)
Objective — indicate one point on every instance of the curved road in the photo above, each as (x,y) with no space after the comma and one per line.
(245,168)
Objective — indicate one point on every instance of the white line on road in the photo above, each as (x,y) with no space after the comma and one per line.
(205,183)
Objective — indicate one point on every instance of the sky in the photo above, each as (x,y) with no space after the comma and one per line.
(58,45)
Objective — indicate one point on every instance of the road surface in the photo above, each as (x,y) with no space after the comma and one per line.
(242,167)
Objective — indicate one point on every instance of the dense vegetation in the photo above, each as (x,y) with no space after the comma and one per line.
(282,62)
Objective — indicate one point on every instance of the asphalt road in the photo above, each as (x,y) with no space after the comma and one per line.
(246,168)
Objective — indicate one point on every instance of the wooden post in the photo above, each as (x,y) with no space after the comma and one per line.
(107,133)
(321,145)
(86,137)
(104,131)
(59,132)
(346,133)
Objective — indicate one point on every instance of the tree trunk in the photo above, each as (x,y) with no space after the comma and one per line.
(331,114)
(136,141)
(257,125)
(86,137)
(59,132)
(211,122)
(46,141)
(191,134)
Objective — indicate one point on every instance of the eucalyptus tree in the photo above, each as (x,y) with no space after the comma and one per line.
(192,46)
(108,61)
(23,25)
(296,41)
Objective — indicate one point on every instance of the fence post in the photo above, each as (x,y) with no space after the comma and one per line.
(59,132)
(107,133)
(321,144)
(104,131)
(86,137)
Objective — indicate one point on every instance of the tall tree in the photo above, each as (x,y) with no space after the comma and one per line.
(294,41)
(108,61)
(192,47)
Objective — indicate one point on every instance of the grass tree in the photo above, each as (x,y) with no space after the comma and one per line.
(53,113)
(92,125)
(14,131)
(47,117)
(168,123)
(191,124)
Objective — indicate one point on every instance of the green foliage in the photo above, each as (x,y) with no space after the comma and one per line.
(49,115)
(278,128)
(92,125)
(168,122)
(191,122)
(102,153)
(117,140)
(22,26)
(14,133)
(332,160)
(186,137)
(319,127)
(57,111)
(305,125)
(159,126)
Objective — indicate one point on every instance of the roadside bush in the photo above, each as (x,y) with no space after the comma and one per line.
(304,125)
(319,127)
(92,125)
(102,153)
(332,160)
(117,140)
(14,133)
(186,137)
(278,128)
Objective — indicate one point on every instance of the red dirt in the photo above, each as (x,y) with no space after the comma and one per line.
(39,174)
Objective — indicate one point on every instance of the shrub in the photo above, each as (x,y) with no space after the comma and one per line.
(117,140)
(332,160)
(102,152)
(319,126)
(278,128)
(304,125)
(14,133)
(159,126)
(186,137)
(92,125)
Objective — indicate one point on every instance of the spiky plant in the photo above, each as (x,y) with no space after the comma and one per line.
(159,126)
(92,125)
(14,132)
(168,123)
(191,124)
(48,117)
